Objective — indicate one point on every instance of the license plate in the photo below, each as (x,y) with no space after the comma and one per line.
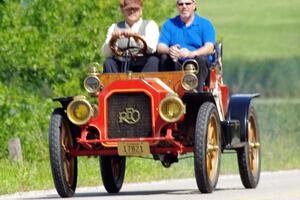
(133,148)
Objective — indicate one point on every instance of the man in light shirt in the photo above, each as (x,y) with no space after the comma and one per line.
(133,24)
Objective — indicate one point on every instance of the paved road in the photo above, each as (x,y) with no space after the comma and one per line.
(283,185)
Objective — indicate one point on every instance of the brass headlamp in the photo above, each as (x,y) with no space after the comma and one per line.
(92,83)
(80,111)
(190,80)
(171,108)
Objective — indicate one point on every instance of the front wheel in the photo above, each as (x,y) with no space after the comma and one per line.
(63,165)
(207,148)
(112,172)
(249,157)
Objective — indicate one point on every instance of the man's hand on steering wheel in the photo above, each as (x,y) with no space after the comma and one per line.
(116,34)
(139,49)
(122,34)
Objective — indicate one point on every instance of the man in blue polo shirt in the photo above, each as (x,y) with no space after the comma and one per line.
(186,36)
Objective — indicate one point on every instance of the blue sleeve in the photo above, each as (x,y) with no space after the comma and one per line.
(209,34)
(165,34)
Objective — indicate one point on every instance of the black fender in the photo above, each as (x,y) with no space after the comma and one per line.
(198,98)
(64,101)
(238,109)
(193,101)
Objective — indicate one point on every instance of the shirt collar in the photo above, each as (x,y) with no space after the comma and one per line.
(135,26)
(194,22)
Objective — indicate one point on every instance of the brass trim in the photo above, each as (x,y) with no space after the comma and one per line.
(133,148)
(93,73)
(96,91)
(79,97)
(93,68)
(186,86)
(171,97)
(190,66)
(95,108)
(129,116)
(70,111)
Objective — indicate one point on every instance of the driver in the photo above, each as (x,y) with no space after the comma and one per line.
(133,24)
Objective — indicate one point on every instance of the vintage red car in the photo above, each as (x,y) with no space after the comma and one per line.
(159,113)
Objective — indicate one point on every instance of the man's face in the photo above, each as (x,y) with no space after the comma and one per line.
(132,15)
(185,8)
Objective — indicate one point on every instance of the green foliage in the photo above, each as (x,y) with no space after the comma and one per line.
(45,47)
(44,42)
(21,117)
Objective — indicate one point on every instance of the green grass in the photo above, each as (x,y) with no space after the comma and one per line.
(280,143)
(280,133)
(255,29)
(261,44)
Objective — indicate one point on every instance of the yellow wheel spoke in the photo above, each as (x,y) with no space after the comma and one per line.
(66,144)
(64,147)
(253,146)
(212,148)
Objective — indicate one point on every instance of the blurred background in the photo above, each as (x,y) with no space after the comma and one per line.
(46,46)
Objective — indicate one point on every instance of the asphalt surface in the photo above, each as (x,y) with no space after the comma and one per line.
(283,185)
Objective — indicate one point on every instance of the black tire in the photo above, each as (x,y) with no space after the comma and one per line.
(63,166)
(112,172)
(249,157)
(207,148)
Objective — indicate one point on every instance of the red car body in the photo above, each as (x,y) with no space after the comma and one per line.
(159,113)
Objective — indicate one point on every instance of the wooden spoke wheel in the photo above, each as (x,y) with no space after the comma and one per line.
(249,157)
(112,172)
(212,148)
(207,148)
(63,165)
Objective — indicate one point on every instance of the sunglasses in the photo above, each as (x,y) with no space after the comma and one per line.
(187,4)
(132,9)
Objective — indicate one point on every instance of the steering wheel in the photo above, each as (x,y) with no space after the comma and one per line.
(137,49)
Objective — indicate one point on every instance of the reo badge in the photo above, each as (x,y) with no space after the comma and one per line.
(129,116)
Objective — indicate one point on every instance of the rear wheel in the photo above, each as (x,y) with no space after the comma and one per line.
(207,148)
(63,165)
(249,158)
(112,172)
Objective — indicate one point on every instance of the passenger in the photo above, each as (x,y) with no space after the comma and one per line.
(184,37)
(132,24)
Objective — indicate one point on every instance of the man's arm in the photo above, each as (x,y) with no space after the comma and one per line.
(151,36)
(207,49)
(164,39)
(162,48)
(105,47)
